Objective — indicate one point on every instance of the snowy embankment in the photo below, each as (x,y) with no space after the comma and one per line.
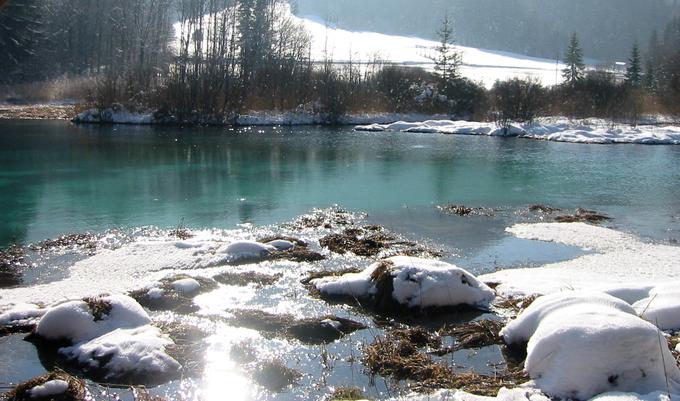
(591,131)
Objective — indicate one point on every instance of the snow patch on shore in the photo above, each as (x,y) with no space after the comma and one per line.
(620,265)
(590,131)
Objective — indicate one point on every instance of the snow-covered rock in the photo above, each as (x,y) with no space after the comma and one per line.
(524,326)
(417,283)
(281,245)
(582,344)
(186,285)
(49,389)
(246,250)
(124,353)
(74,321)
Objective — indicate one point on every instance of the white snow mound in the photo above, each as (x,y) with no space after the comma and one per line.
(124,352)
(186,285)
(523,327)
(48,389)
(418,283)
(74,320)
(582,344)
(246,250)
(281,245)
(661,307)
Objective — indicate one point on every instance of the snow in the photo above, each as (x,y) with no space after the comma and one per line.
(133,265)
(417,282)
(661,307)
(583,344)
(589,131)
(48,389)
(123,352)
(524,326)
(73,320)
(482,65)
(20,314)
(246,250)
(155,293)
(281,245)
(186,285)
(504,394)
(619,263)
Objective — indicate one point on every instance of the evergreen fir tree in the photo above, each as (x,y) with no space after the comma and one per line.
(447,60)
(20,34)
(634,68)
(573,58)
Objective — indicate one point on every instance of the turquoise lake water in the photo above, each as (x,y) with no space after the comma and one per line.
(59,178)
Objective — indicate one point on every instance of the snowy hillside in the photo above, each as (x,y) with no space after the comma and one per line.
(479,64)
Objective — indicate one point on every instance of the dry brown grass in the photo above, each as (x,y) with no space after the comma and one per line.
(583,216)
(400,356)
(347,394)
(73,88)
(514,305)
(76,388)
(99,307)
(477,334)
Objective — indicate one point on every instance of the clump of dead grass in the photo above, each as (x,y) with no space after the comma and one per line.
(76,388)
(479,334)
(514,305)
(347,394)
(400,356)
(583,216)
(99,307)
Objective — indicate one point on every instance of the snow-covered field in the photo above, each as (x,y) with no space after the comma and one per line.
(480,65)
